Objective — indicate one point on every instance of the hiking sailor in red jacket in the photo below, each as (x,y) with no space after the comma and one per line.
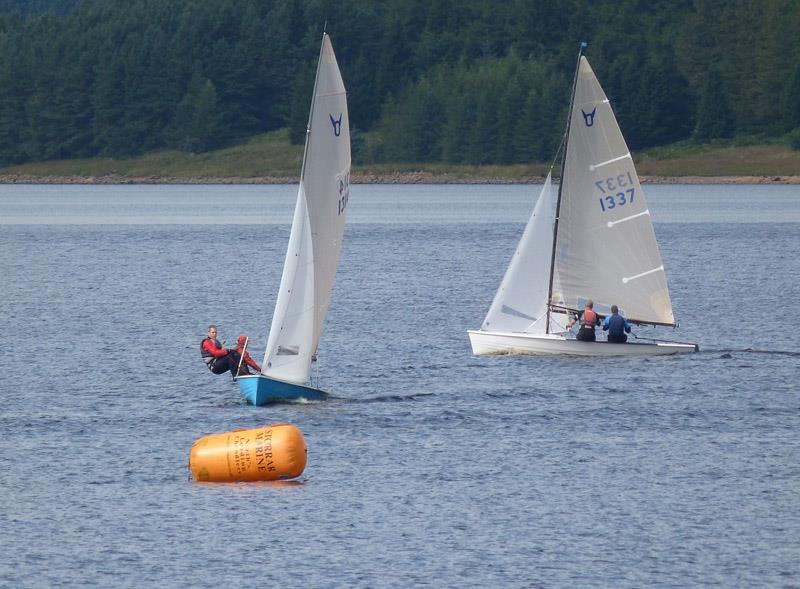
(245,355)
(218,359)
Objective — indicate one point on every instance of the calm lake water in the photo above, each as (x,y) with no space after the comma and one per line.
(429,467)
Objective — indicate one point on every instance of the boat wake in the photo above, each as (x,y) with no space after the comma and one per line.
(728,351)
(384,398)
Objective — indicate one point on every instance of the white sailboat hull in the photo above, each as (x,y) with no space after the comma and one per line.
(489,342)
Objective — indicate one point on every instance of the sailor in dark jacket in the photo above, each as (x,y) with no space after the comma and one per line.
(616,326)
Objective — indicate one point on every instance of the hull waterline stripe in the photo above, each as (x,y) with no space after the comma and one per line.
(612,223)
(627,279)
(616,159)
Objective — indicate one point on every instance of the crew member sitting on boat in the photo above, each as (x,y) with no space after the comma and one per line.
(616,326)
(218,359)
(588,319)
(245,356)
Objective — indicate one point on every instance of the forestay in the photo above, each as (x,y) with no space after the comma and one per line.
(520,304)
(606,248)
(317,228)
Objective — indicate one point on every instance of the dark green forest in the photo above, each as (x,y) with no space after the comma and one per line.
(456,81)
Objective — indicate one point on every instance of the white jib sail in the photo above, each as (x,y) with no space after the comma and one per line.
(520,304)
(317,229)
(606,249)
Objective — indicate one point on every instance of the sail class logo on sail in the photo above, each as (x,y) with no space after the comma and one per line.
(337,124)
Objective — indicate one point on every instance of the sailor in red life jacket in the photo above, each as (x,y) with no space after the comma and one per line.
(245,355)
(218,359)
(588,320)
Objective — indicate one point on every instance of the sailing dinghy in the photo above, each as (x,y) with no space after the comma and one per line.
(315,243)
(592,240)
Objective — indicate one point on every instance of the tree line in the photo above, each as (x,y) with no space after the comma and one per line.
(462,81)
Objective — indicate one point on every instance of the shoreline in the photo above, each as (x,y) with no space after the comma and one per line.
(370,178)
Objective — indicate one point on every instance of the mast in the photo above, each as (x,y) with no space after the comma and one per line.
(561,184)
(313,100)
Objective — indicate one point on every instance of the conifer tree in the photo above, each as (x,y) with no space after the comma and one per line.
(715,120)
(197,117)
(302,88)
(791,101)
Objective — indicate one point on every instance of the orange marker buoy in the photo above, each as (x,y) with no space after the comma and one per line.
(270,453)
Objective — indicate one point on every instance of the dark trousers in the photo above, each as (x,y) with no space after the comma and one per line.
(617,339)
(585,334)
(226,363)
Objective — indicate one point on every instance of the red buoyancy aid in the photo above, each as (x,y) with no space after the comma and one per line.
(589,318)
(208,356)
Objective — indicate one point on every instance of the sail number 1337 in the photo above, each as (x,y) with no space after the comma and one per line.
(615,191)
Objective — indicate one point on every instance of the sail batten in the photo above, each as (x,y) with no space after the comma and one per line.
(324,95)
(593,167)
(626,279)
(631,218)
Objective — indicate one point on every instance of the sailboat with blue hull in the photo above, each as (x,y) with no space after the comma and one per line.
(315,244)
(258,389)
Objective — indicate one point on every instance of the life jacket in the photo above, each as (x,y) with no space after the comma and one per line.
(207,356)
(589,318)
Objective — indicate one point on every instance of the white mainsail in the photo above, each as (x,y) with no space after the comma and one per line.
(521,301)
(317,229)
(606,249)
